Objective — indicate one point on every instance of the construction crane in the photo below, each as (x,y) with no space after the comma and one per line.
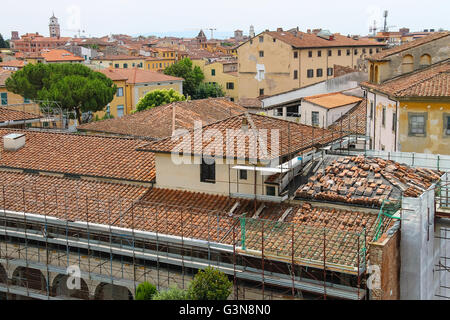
(212,30)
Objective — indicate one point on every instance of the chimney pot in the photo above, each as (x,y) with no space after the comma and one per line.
(279,29)
(13,141)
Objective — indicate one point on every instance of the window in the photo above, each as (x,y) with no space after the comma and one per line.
(417,124)
(230,85)
(295,54)
(356,51)
(295,74)
(261,39)
(243,174)
(25,100)
(370,50)
(425,60)
(383,117)
(339,52)
(270,190)
(371,109)
(119,111)
(319,53)
(120,92)
(447,124)
(315,118)
(329,53)
(4,98)
(125,65)
(133,65)
(108,110)
(208,171)
(378,50)
(394,121)
(292,111)
(310,54)
(407,63)
(319,72)
(213,72)
(279,112)
(116,65)
(261,92)
(348,52)
(274,40)
(329,71)
(261,54)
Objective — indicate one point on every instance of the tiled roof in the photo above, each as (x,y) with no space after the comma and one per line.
(385,54)
(292,137)
(136,75)
(433,81)
(332,100)
(60,55)
(13,63)
(366,181)
(15,115)
(310,40)
(353,121)
(157,122)
(67,198)
(118,57)
(250,102)
(74,154)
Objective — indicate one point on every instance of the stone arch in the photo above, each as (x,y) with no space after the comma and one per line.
(425,60)
(29,278)
(407,63)
(107,291)
(59,288)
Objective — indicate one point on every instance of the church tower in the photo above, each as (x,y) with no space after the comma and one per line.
(54,27)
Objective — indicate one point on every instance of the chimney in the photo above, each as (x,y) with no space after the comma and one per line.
(279,29)
(244,124)
(13,141)
(308,31)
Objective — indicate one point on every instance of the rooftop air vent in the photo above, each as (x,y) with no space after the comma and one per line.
(13,141)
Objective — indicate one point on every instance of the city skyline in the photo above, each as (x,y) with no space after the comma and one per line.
(94,18)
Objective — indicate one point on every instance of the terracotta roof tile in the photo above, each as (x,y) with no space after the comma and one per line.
(136,75)
(13,63)
(157,122)
(15,115)
(385,54)
(60,55)
(292,137)
(332,100)
(433,81)
(114,158)
(353,121)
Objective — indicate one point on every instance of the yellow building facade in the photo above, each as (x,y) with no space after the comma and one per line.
(223,73)
(119,61)
(276,62)
(158,63)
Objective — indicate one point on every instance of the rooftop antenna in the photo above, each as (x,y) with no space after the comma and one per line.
(212,30)
(385,14)
(373,29)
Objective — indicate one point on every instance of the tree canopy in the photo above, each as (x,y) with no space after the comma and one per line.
(74,87)
(192,76)
(173,293)
(157,98)
(145,291)
(207,90)
(3,43)
(210,284)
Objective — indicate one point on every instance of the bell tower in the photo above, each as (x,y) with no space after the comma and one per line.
(54,27)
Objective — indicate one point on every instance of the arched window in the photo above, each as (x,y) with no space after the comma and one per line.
(372,79)
(407,63)
(425,60)
(375,77)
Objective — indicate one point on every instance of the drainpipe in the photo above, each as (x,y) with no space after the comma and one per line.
(396,126)
(374,118)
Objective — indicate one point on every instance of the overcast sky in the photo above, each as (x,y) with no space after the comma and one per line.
(186,17)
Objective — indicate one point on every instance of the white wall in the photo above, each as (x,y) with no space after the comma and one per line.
(326,116)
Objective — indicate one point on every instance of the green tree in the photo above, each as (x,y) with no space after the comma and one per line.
(3,43)
(157,98)
(145,291)
(210,284)
(192,76)
(173,293)
(207,90)
(74,86)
